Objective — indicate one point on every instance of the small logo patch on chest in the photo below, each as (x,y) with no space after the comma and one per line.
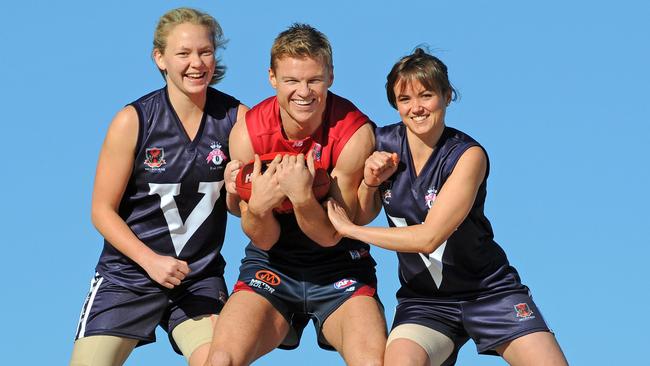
(430,196)
(155,158)
(216,155)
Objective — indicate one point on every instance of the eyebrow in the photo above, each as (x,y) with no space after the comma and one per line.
(319,77)
(184,47)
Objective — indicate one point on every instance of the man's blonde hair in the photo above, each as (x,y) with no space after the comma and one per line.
(300,41)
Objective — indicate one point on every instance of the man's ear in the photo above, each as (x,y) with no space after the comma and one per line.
(272,79)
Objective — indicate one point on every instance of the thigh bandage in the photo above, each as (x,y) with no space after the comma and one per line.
(437,345)
(192,333)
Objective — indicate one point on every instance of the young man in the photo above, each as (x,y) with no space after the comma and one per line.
(297,267)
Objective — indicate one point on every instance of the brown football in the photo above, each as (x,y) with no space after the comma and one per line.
(243,184)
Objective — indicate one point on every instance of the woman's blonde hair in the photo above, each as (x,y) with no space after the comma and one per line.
(174,17)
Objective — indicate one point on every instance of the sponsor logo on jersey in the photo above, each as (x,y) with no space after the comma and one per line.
(344,283)
(268,277)
(359,253)
(155,158)
(318,151)
(430,196)
(216,156)
(523,311)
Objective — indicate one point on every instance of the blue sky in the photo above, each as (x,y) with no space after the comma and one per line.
(556,91)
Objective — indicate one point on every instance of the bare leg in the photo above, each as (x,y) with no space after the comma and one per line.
(200,355)
(247,328)
(538,348)
(357,330)
(405,352)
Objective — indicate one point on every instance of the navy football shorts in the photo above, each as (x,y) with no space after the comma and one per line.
(489,320)
(114,310)
(299,298)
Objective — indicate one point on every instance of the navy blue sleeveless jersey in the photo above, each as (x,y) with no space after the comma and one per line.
(174,201)
(469,263)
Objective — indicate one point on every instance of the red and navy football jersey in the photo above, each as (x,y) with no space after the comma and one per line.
(174,201)
(469,263)
(294,249)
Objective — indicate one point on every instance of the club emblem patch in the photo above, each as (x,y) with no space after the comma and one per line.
(388,194)
(523,311)
(430,197)
(154,157)
(216,156)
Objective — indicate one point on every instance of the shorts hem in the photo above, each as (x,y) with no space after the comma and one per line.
(288,347)
(338,305)
(141,340)
(277,304)
(327,346)
(491,349)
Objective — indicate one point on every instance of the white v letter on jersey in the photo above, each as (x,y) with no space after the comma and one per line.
(433,261)
(179,231)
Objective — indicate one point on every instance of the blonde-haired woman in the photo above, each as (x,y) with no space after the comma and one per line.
(160,203)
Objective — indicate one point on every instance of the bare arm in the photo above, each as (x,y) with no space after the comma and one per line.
(378,167)
(257,218)
(113,171)
(230,173)
(346,176)
(450,208)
